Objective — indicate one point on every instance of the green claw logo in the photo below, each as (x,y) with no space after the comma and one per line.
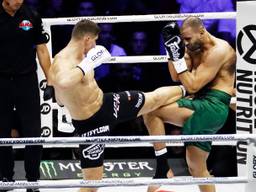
(48,169)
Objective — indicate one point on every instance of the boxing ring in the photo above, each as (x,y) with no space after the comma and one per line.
(180,182)
(245,182)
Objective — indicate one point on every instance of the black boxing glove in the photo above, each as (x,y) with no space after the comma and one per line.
(174,45)
(48,93)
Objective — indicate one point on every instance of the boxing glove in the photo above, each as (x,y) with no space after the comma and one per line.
(174,45)
(94,58)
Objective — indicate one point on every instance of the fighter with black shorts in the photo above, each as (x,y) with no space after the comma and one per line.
(116,108)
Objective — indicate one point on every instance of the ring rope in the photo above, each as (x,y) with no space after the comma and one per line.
(139,18)
(125,139)
(122,182)
(139,59)
(127,145)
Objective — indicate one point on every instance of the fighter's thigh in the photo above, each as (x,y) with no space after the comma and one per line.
(173,114)
(94,173)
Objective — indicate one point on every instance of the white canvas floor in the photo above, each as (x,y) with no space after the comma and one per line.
(187,188)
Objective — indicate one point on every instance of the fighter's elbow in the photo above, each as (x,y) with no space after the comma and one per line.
(192,89)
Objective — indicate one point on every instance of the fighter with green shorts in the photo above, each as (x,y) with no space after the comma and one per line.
(205,65)
(211,109)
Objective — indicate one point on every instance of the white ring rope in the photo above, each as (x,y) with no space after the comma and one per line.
(139,59)
(127,145)
(122,182)
(139,18)
(126,139)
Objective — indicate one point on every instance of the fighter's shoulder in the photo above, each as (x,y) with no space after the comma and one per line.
(221,48)
(58,63)
(225,49)
(221,52)
(223,45)
(57,59)
(61,57)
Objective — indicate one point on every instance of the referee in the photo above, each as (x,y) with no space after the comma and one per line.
(22,37)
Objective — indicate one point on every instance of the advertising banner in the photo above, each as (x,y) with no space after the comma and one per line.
(246,77)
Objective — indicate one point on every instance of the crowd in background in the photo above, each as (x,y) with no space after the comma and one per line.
(142,38)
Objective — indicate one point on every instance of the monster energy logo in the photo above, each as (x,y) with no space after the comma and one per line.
(48,169)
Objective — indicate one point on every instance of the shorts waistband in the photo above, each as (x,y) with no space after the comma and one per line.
(221,95)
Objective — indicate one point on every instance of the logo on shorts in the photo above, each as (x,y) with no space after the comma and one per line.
(116,104)
(140,99)
(248,43)
(97,131)
(26,25)
(93,152)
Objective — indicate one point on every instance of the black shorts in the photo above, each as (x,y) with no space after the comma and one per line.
(116,108)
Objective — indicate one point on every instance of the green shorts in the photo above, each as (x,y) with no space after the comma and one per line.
(211,109)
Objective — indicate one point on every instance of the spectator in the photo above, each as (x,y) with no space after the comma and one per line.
(128,7)
(107,39)
(33,4)
(139,43)
(53,8)
(86,8)
(223,28)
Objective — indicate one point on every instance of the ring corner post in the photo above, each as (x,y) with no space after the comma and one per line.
(251,166)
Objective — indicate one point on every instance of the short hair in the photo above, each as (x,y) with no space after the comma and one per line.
(192,21)
(83,27)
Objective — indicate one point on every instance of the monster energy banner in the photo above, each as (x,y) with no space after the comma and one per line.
(70,169)
(246,77)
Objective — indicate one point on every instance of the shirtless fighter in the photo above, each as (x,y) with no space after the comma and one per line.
(210,80)
(93,111)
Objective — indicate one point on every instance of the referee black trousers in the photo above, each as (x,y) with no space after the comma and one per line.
(22,93)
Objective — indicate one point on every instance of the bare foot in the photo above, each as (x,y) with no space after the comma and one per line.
(153,188)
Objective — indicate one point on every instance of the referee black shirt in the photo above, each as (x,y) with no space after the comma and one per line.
(19,35)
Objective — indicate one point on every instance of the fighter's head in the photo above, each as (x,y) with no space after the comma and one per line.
(193,33)
(86,31)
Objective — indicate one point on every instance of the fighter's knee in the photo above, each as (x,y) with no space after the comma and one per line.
(148,118)
(197,171)
(193,171)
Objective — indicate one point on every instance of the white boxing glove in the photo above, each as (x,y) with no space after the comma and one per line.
(180,65)
(94,58)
